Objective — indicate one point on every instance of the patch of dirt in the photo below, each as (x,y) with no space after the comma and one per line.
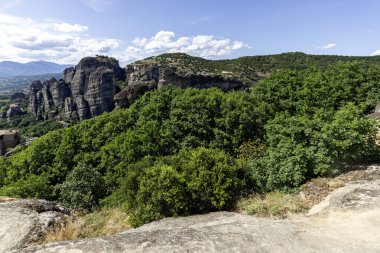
(6,199)
(314,191)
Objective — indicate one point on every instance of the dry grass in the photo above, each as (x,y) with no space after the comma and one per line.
(274,204)
(6,199)
(99,223)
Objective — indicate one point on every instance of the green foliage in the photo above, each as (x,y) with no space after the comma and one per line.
(119,86)
(195,181)
(82,188)
(3,170)
(301,147)
(311,91)
(246,68)
(161,193)
(349,136)
(178,152)
(28,126)
(32,187)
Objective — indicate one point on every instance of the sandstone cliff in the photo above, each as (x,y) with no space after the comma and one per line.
(86,90)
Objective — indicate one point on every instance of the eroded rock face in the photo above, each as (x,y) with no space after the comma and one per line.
(24,221)
(46,100)
(13,110)
(87,90)
(141,78)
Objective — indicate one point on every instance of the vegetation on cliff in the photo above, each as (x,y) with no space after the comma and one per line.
(249,69)
(178,152)
(28,126)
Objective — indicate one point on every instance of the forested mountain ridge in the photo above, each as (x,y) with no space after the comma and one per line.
(86,92)
(250,68)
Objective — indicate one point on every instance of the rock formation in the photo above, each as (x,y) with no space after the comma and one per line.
(8,139)
(13,110)
(86,90)
(24,221)
(148,75)
(376,113)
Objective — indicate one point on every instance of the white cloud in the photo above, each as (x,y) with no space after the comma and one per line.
(327,46)
(207,46)
(377,52)
(68,28)
(24,39)
(140,42)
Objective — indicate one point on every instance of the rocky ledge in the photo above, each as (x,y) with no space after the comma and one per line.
(346,221)
(23,222)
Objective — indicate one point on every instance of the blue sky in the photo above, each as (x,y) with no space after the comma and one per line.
(65,31)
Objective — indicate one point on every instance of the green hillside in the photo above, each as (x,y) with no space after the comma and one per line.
(179,152)
(252,68)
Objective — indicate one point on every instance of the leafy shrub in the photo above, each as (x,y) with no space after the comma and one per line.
(82,188)
(161,193)
(303,147)
(28,125)
(196,181)
(31,187)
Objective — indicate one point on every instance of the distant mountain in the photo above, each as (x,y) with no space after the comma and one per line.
(11,84)
(10,68)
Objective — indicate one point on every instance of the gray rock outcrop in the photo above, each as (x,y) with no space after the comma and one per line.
(376,113)
(143,77)
(13,110)
(24,221)
(46,100)
(9,139)
(87,90)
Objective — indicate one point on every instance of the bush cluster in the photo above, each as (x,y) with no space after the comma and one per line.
(196,181)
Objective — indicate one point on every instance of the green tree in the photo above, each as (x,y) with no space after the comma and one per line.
(82,189)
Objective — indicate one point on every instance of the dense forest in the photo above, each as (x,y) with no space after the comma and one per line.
(179,152)
(25,123)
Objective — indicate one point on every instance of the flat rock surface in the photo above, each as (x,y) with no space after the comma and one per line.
(23,221)
(347,220)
